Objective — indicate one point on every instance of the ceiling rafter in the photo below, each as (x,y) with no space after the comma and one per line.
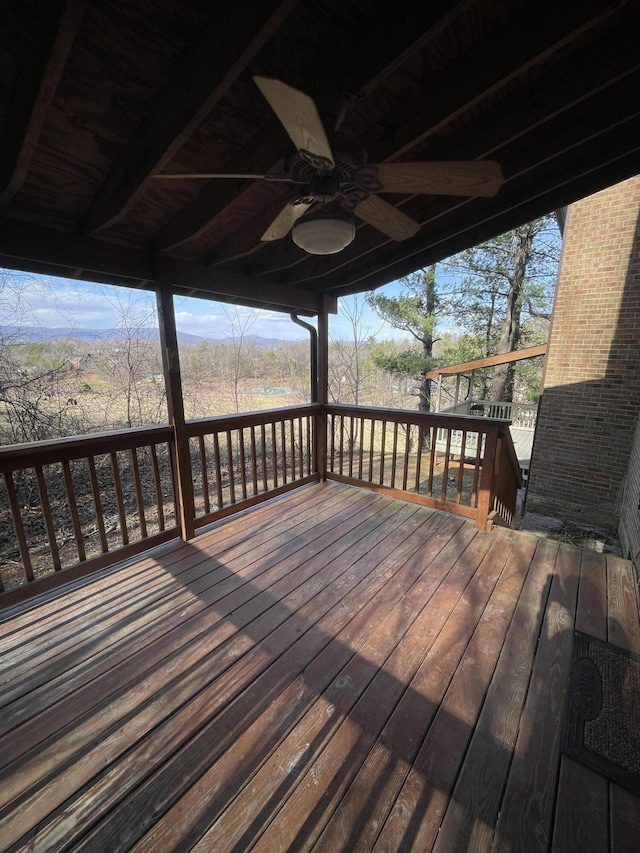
(42,62)
(515,53)
(474,229)
(362,70)
(463,91)
(221,55)
(512,147)
(547,90)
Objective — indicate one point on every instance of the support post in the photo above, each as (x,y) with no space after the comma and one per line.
(185,508)
(485,498)
(439,395)
(322,391)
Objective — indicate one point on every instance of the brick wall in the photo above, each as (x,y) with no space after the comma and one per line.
(630,507)
(591,400)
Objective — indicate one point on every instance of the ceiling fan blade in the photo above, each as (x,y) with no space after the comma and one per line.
(300,118)
(285,220)
(208,176)
(386,218)
(471,178)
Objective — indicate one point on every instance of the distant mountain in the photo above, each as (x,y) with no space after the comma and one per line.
(38,334)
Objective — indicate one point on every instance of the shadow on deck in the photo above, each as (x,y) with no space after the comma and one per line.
(335,670)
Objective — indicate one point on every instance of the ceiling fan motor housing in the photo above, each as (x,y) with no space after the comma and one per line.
(324,187)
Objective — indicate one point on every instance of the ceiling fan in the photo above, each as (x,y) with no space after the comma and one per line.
(322,176)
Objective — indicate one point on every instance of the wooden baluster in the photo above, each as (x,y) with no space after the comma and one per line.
(351,440)
(332,440)
(283,446)
(361,450)
(405,473)
(274,454)
(292,433)
(432,460)
(341,450)
(394,455)
(218,466)
(371,443)
(97,503)
(254,460)
(309,441)
(243,463)
(476,472)
(115,469)
(73,509)
(18,526)
(232,485)
(300,446)
(461,468)
(158,486)
(263,438)
(419,458)
(445,472)
(205,478)
(314,424)
(48,518)
(383,447)
(137,485)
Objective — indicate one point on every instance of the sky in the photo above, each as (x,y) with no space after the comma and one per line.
(31,300)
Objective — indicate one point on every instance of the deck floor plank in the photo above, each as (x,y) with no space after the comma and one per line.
(335,670)
(189,627)
(310,805)
(130,713)
(470,820)
(581,818)
(187,567)
(377,625)
(341,696)
(422,801)
(526,814)
(110,584)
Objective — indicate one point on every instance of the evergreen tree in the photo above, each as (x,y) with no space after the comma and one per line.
(414,312)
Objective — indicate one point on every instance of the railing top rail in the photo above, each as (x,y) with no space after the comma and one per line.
(202,426)
(16,456)
(435,419)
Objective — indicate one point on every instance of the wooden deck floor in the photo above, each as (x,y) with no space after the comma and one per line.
(335,671)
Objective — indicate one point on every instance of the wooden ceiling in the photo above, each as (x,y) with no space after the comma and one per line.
(99,95)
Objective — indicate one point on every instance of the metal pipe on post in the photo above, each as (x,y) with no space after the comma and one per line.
(313,343)
(185,509)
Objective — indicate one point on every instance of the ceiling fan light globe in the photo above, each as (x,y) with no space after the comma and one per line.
(323,236)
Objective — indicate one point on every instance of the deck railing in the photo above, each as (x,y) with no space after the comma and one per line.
(521,415)
(76,505)
(83,503)
(240,460)
(459,464)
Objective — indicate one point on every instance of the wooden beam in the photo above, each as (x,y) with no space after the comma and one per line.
(489,361)
(323,389)
(25,246)
(212,280)
(185,509)
(43,58)
(225,49)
